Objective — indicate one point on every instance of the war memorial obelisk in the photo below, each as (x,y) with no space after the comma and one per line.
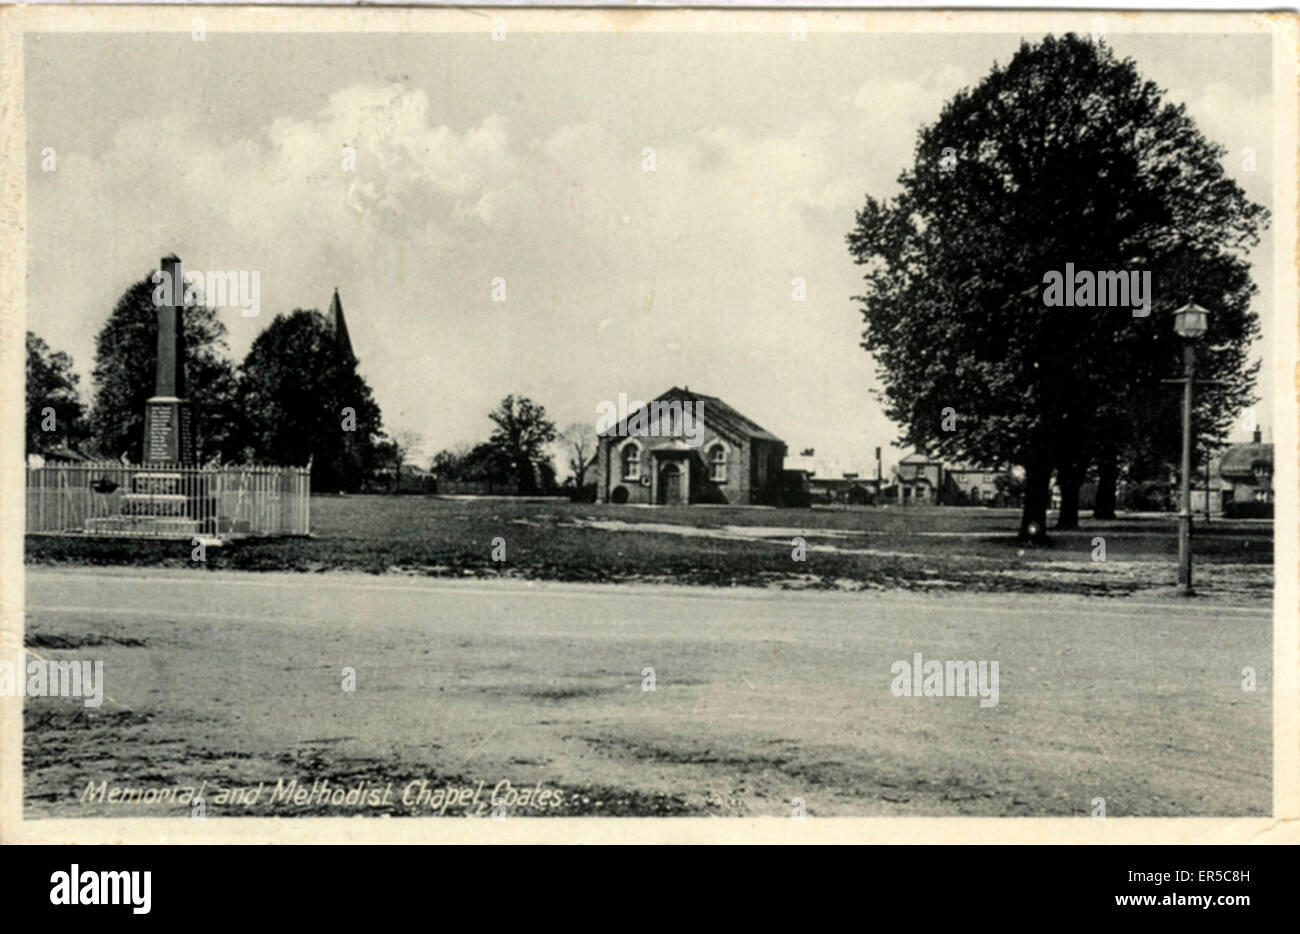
(168,418)
(170,495)
(164,500)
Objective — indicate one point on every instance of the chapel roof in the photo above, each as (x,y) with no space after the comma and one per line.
(717,414)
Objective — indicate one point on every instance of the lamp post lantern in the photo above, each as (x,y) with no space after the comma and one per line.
(1190,323)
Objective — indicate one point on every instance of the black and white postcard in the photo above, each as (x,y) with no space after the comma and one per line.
(514,425)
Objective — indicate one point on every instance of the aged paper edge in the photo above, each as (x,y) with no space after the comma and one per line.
(1281,378)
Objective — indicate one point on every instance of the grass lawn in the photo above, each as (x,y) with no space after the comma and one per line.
(889,547)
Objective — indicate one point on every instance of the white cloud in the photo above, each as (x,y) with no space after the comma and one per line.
(618,279)
(699,253)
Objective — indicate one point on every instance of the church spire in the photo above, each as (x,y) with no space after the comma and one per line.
(339,326)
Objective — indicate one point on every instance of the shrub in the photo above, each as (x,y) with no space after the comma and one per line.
(1248,510)
(1146,496)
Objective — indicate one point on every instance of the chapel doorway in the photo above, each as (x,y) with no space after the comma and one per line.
(670,486)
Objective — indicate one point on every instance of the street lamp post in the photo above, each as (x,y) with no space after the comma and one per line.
(1190,324)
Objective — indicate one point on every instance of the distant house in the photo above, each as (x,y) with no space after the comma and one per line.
(1205,491)
(835,481)
(922,480)
(916,479)
(57,454)
(415,479)
(411,479)
(1247,472)
(845,489)
(1240,482)
(726,459)
(971,486)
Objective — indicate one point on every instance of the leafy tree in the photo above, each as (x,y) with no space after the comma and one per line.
(387,466)
(51,384)
(126,351)
(1010,487)
(1065,155)
(486,461)
(446,464)
(306,402)
(581,448)
(523,431)
(390,452)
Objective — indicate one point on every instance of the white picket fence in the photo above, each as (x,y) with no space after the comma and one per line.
(168,500)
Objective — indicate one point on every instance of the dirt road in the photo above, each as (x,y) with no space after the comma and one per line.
(759,698)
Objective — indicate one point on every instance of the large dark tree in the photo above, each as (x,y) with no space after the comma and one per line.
(125,360)
(306,403)
(1065,155)
(523,431)
(487,461)
(54,410)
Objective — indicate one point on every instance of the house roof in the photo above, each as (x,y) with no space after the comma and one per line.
(62,452)
(1240,459)
(717,414)
(829,468)
(970,468)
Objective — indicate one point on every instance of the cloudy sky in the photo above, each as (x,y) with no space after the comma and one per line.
(524,160)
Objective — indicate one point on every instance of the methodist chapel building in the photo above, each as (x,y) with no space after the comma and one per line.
(685,447)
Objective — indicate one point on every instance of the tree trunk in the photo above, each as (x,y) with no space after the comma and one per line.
(1033,518)
(1107,483)
(1070,479)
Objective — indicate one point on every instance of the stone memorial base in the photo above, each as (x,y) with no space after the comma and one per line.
(146,526)
(165,504)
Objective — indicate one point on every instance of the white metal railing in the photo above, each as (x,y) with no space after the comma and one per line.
(168,500)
